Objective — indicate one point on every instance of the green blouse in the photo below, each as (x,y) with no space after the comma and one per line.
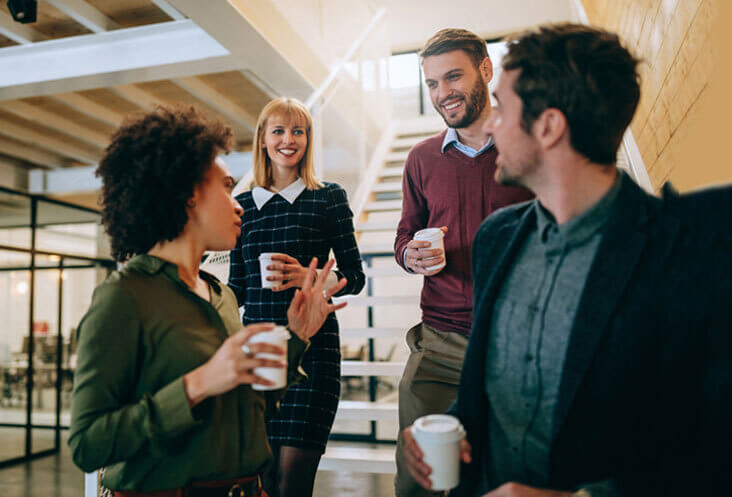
(145,329)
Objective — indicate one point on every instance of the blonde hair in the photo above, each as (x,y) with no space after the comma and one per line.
(293,111)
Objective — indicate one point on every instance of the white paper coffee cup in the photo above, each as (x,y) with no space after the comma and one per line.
(279,337)
(436,237)
(265,259)
(439,435)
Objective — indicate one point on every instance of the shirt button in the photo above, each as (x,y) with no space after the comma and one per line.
(529,357)
(515,449)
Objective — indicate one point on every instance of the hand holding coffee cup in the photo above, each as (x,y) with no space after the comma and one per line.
(288,272)
(230,366)
(425,253)
(275,376)
(433,448)
(271,278)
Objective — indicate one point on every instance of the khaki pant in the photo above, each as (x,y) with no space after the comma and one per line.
(429,386)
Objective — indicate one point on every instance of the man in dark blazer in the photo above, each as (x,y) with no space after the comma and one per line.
(597,363)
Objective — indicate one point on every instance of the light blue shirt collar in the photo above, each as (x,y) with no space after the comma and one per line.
(451,138)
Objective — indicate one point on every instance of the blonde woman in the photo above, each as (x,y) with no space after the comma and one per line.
(290,212)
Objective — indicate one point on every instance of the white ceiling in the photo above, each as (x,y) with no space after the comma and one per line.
(412,23)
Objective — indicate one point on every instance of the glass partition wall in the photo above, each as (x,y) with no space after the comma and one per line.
(52,256)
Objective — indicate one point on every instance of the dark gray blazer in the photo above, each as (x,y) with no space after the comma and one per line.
(646,382)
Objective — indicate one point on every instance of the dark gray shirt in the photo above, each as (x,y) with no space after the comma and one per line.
(530,329)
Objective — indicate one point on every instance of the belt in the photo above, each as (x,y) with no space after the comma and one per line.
(240,487)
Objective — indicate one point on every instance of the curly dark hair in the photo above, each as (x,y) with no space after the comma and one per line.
(149,172)
(584,72)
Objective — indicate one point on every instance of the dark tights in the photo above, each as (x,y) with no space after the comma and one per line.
(292,472)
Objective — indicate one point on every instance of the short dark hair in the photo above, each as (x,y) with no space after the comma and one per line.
(449,39)
(149,172)
(584,72)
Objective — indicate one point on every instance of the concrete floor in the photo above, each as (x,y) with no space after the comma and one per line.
(56,476)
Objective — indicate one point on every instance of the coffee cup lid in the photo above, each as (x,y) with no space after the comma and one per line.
(429,234)
(276,335)
(438,428)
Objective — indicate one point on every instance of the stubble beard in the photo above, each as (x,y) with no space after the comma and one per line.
(475,102)
(518,178)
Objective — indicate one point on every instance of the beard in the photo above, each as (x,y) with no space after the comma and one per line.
(516,173)
(475,102)
(505,178)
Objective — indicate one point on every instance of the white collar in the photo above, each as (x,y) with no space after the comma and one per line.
(261,195)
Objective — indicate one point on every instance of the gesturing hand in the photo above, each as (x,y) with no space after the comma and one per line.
(310,305)
(293,274)
(230,366)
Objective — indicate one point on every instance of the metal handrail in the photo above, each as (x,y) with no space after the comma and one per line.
(320,90)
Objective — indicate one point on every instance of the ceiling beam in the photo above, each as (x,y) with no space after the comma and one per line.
(89,107)
(13,175)
(172,12)
(253,33)
(19,33)
(136,95)
(124,56)
(257,81)
(38,138)
(85,14)
(82,179)
(56,122)
(223,105)
(30,154)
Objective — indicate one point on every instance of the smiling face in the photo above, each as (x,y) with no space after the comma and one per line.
(519,152)
(214,214)
(285,141)
(457,88)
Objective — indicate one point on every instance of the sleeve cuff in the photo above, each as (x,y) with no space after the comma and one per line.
(296,348)
(404,262)
(173,414)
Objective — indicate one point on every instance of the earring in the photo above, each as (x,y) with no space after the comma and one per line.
(191,203)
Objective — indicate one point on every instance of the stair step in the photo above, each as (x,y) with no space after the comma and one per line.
(359,459)
(376,248)
(359,301)
(383,196)
(371,368)
(387,187)
(372,332)
(378,226)
(370,411)
(373,272)
(396,156)
(407,142)
(391,172)
(429,125)
(383,205)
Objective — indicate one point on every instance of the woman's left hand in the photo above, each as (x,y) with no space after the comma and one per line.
(293,274)
(311,304)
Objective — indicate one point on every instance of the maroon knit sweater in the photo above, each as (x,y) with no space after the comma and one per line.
(450,189)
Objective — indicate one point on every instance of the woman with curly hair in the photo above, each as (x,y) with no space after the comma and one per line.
(291,213)
(163,395)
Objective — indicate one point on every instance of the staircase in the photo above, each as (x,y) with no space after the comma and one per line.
(375,321)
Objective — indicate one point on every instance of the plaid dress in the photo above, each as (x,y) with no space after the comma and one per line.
(316,222)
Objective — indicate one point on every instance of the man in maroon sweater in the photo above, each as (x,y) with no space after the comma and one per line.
(448,183)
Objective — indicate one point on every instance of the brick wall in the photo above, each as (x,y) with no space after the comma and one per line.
(674,39)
